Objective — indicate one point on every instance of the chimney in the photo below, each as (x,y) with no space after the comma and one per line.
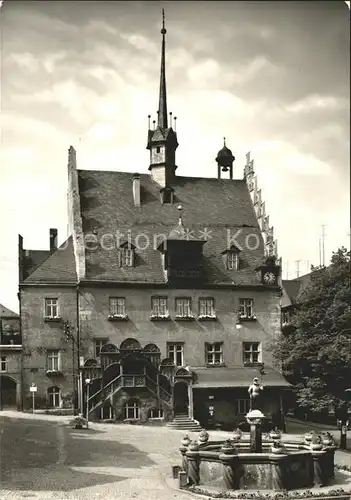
(136,189)
(53,239)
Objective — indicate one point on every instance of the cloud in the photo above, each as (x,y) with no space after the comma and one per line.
(271,77)
(317,102)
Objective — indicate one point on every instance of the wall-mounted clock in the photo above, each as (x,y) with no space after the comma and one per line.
(269,278)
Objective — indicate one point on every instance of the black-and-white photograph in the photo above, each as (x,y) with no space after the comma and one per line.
(175,276)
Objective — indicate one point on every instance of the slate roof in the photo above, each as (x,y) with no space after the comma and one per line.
(33,259)
(219,205)
(7,313)
(292,289)
(236,377)
(59,266)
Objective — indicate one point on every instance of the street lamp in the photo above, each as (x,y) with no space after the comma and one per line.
(87,381)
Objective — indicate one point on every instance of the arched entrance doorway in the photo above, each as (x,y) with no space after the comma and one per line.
(8,393)
(181,398)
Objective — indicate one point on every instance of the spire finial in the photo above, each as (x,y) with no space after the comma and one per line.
(162,104)
(224,141)
(163,30)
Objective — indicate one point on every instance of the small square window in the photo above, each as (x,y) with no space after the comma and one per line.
(176,353)
(159,306)
(183,307)
(246,308)
(117,306)
(53,361)
(252,352)
(214,353)
(51,308)
(206,307)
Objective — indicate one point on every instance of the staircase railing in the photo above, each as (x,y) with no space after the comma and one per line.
(162,393)
(99,397)
(137,380)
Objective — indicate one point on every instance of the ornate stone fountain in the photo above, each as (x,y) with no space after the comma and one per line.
(253,462)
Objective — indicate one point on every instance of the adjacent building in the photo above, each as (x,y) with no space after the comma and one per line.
(165,299)
(10,359)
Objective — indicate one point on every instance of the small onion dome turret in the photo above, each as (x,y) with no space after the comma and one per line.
(225,158)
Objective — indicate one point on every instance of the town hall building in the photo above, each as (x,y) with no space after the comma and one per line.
(164,301)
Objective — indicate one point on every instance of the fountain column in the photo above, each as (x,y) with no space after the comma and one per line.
(255,418)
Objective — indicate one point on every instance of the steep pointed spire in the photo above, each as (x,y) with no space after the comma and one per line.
(162,104)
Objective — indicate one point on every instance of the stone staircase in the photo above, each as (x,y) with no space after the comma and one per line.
(184,422)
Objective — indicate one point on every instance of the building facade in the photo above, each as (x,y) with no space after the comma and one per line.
(10,359)
(165,299)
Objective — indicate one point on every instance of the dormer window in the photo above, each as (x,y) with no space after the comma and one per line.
(167,195)
(232,260)
(128,257)
(231,256)
(127,254)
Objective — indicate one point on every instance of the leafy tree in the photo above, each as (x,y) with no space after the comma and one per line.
(316,352)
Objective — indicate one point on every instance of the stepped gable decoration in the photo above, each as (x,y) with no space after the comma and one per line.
(270,244)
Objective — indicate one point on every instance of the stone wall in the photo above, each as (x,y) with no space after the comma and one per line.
(38,336)
(94,311)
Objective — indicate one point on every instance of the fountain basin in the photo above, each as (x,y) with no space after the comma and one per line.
(231,465)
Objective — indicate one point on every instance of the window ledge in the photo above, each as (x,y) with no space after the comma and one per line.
(155,317)
(206,317)
(185,318)
(53,372)
(52,319)
(156,418)
(258,364)
(215,365)
(248,318)
(118,317)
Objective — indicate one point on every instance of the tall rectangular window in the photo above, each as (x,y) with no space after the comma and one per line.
(3,364)
(176,353)
(159,306)
(51,308)
(242,406)
(252,352)
(117,306)
(98,344)
(53,360)
(128,257)
(183,307)
(232,260)
(214,353)
(206,306)
(246,308)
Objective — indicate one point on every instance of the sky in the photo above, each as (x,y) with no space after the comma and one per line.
(272,77)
